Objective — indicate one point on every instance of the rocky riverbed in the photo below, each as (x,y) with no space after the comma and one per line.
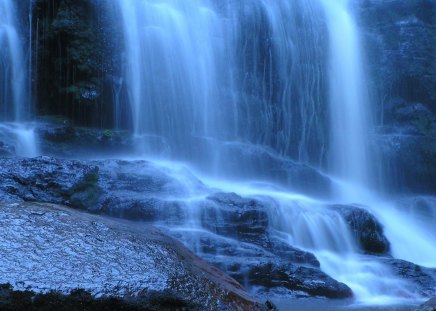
(232,232)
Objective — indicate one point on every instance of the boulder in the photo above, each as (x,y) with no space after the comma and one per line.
(232,215)
(246,220)
(297,278)
(262,271)
(50,180)
(366,229)
(140,190)
(55,248)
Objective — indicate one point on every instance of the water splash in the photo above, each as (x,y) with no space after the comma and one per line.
(19,139)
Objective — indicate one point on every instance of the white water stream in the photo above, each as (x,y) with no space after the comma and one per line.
(16,136)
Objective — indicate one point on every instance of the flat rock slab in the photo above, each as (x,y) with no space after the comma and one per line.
(49,247)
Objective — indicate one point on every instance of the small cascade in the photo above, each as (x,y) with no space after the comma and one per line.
(413,240)
(316,227)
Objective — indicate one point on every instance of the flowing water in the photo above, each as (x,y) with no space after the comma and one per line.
(15,100)
(19,138)
(267,99)
(221,85)
(208,80)
(349,103)
(235,87)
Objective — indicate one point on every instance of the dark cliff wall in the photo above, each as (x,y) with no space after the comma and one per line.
(74,64)
(400,41)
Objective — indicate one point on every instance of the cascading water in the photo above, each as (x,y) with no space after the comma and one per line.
(349,102)
(15,102)
(214,84)
(235,87)
(12,64)
(350,117)
(172,63)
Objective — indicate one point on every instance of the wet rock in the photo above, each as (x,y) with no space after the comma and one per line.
(6,150)
(71,249)
(237,236)
(231,232)
(50,180)
(232,215)
(401,34)
(58,137)
(409,161)
(366,229)
(306,279)
(252,264)
(246,220)
(139,190)
(400,45)
(429,305)
(423,278)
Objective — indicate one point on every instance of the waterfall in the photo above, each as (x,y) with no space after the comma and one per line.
(15,102)
(13,68)
(349,103)
(350,126)
(232,86)
(209,81)
(173,77)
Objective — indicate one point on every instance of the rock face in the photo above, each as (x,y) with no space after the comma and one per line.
(236,237)
(305,279)
(423,278)
(58,137)
(401,43)
(367,230)
(51,247)
(429,305)
(49,180)
(75,66)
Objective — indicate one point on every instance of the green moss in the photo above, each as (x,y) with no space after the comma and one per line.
(108,133)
